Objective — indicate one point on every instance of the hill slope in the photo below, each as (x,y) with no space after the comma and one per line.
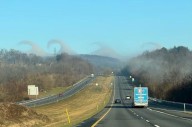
(102,63)
(165,71)
(19,116)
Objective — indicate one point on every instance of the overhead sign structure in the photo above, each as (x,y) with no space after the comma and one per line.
(33,90)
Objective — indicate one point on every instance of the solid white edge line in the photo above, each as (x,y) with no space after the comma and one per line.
(101,118)
(156,125)
(172,115)
(169,110)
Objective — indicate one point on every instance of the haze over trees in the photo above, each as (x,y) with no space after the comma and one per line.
(103,64)
(17,70)
(167,73)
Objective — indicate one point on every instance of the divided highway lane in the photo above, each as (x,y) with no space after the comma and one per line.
(55,98)
(123,115)
(155,117)
(119,115)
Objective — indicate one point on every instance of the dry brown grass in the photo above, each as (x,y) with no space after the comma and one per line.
(13,115)
(81,106)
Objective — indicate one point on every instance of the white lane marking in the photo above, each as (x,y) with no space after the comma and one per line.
(168,110)
(141,117)
(156,125)
(137,115)
(147,121)
(149,109)
(101,118)
(171,115)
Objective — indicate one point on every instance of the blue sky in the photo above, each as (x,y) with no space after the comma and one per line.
(126,26)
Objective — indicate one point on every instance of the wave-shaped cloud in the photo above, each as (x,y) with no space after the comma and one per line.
(105,50)
(35,49)
(151,45)
(63,47)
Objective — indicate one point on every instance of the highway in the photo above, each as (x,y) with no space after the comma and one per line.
(55,98)
(123,115)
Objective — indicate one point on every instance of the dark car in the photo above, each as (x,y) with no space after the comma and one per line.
(117,101)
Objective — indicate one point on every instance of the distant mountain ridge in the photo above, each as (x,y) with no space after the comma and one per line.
(101,62)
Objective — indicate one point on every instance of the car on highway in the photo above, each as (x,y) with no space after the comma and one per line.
(128,97)
(118,101)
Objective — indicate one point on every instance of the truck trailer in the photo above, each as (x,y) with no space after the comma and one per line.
(140,97)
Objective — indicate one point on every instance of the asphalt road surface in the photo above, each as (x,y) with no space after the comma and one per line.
(123,115)
(55,98)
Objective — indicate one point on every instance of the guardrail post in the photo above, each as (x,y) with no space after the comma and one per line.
(184,107)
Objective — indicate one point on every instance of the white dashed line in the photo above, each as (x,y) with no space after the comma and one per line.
(147,121)
(156,125)
(141,117)
(137,115)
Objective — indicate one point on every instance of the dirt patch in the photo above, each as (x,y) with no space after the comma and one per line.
(17,115)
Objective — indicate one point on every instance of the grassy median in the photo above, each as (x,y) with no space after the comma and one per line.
(80,106)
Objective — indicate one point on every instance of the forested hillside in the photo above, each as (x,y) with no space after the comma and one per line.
(103,64)
(17,70)
(167,73)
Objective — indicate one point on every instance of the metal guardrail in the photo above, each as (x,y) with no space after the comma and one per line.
(173,105)
(58,97)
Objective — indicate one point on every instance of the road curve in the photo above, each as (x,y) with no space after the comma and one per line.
(55,98)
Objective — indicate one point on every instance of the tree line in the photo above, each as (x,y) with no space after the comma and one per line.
(18,70)
(167,73)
